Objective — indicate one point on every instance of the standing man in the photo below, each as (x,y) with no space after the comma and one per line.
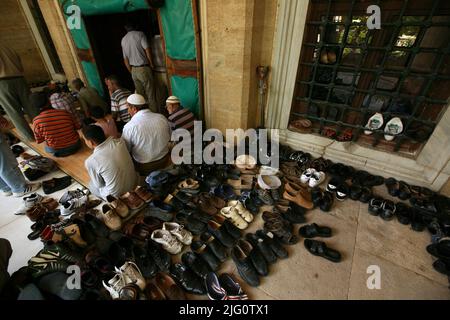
(147,136)
(138,60)
(88,97)
(14,92)
(118,95)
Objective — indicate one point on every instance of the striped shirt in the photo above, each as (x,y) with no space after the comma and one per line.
(182,118)
(65,101)
(57,128)
(119,104)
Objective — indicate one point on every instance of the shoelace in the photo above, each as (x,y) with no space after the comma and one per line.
(170,240)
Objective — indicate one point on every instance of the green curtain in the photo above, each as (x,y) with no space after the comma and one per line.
(186,89)
(97,7)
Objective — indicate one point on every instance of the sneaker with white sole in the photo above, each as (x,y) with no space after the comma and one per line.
(131,274)
(7,193)
(73,194)
(32,187)
(317,178)
(306,175)
(115,284)
(72,205)
(393,128)
(29,202)
(167,241)
(375,122)
(178,230)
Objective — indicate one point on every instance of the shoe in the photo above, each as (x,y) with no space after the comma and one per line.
(306,175)
(39,267)
(375,206)
(184,236)
(153,292)
(118,205)
(161,257)
(73,194)
(220,233)
(144,194)
(215,246)
(274,244)
(114,285)
(56,184)
(375,122)
(316,179)
(333,184)
(202,250)
(28,202)
(187,279)
(256,257)
(159,210)
(132,274)
(393,127)
(355,191)
(29,188)
(388,210)
(313,231)
(320,249)
(234,231)
(146,265)
(268,182)
(72,205)
(298,199)
(36,212)
(167,241)
(132,200)
(403,213)
(366,195)
(232,214)
(327,201)
(57,251)
(245,266)
(214,289)
(241,210)
(232,288)
(262,244)
(110,218)
(196,264)
(264,196)
(130,292)
(169,287)
(342,191)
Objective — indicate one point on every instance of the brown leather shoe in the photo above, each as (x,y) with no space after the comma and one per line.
(118,205)
(170,289)
(73,233)
(132,200)
(36,212)
(110,218)
(154,293)
(144,194)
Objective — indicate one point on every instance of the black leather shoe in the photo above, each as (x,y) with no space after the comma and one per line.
(392,186)
(146,265)
(334,183)
(161,257)
(245,267)
(355,192)
(187,279)
(195,263)
(376,206)
(342,191)
(293,217)
(203,251)
(216,247)
(220,233)
(229,227)
(388,210)
(327,201)
(403,213)
(263,246)
(366,195)
(316,196)
(274,244)
(256,257)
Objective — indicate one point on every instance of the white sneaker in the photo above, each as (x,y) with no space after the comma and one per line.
(132,274)
(32,187)
(183,235)
(28,202)
(317,178)
(167,241)
(115,284)
(393,128)
(70,206)
(306,175)
(375,122)
(7,193)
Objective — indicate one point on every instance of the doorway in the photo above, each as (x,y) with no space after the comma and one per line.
(105,33)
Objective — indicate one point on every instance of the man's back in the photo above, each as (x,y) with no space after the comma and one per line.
(10,64)
(147,136)
(111,168)
(134,44)
(57,128)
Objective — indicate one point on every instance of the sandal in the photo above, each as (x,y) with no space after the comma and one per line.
(320,249)
(313,230)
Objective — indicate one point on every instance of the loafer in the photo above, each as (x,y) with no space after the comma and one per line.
(167,241)
(118,205)
(245,267)
(256,257)
(263,246)
(132,200)
(220,233)
(110,218)
(233,231)
(160,210)
(196,264)
(56,184)
(161,257)
(188,280)
(144,194)
(203,251)
(274,244)
(216,247)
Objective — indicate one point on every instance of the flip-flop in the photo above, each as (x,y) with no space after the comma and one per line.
(313,230)
(320,249)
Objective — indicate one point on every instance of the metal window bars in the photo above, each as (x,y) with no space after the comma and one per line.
(318,82)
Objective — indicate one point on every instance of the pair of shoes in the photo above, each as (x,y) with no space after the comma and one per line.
(280,227)
(189,186)
(210,243)
(225,232)
(28,202)
(209,204)
(312,177)
(297,194)
(320,249)
(160,210)
(56,184)
(268,245)
(235,210)
(393,127)
(29,188)
(384,208)
(172,237)
(194,220)
(245,163)
(119,206)
(111,218)
(338,186)
(73,200)
(53,258)
(360,193)
(187,279)
(164,287)
(398,189)
(206,255)
(223,287)
(323,200)
(127,274)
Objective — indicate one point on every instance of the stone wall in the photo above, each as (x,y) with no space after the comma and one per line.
(16,34)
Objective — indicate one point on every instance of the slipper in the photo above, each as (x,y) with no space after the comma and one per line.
(440,250)
(320,249)
(313,230)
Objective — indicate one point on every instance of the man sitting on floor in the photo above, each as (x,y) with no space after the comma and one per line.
(110,166)
(105,121)
(147,136)
(118,97)
(62,100)
(88,97)
(57,128)
(179,117)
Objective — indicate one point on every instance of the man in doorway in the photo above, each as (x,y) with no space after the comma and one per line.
(57,128)
(110,166)
(118,95)
(14,92)
(138,60)
(88,97)
(179,117)
(147,136)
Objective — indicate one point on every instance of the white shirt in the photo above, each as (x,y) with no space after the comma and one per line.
(111,168)
(134,44)
(147,136)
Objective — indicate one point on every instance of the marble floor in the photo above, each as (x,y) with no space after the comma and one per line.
(399,252)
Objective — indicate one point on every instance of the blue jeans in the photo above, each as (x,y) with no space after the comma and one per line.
(11,178)
(64,152)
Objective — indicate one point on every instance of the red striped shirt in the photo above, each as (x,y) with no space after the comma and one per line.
(57,128)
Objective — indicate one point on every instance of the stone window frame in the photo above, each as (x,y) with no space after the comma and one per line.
(430,168)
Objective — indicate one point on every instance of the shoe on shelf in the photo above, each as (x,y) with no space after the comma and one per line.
(375,122)
(393,127)
(119,206)
(29,188)
(183,235)
(167,241)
